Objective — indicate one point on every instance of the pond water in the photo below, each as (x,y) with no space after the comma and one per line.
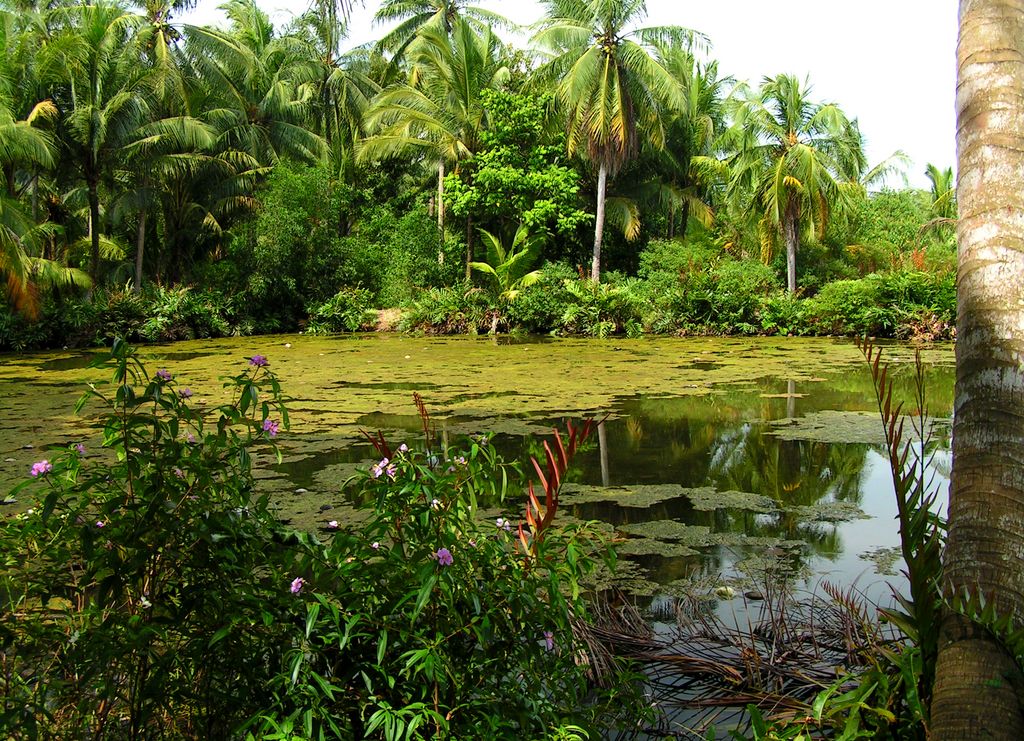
(719,456)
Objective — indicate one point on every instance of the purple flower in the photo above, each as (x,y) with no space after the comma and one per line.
(461,460)
(435,504)
(190,438)
(391,471)
(163,374)
(549,640)
(80,448)
(185,393)
(179,473)
(41,468)
(270,427)
(403,448)
(259,361)
(297,584)
(375,545)
(100,523)
(444,557)
(378,468)
(503,524)
(332,525)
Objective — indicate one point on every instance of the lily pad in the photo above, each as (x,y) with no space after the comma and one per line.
(638,496)
(829,511)
(884,559)
(708,498)
(689,535)
(832,427)
(651,547)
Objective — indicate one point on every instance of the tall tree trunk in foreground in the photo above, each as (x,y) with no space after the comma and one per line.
(602,184)
(978,685)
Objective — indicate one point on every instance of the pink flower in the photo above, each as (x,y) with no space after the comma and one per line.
(270,427)
(297,584)
(41,468)
(375,545)
(444,557)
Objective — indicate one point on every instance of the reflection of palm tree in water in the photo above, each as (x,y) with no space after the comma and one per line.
(791,473)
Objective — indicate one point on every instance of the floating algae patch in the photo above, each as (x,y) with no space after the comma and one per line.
(706,498)
(651,547)
(831,426)
(679,532)
(828,511)
(884,559)
(637,496)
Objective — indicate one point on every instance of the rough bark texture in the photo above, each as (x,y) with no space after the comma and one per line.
(977,686)
(602,183)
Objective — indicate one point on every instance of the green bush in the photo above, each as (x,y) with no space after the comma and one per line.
(184,314)
(428,621)
(156,595)
(461,309)
(885,304)
(603,309)
(347,311)
(148,603)
(539,308)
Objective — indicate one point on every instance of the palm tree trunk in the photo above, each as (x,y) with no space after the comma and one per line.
(602,183)
(140,245)
(440,213)
(791,235)
(94,232)
(469,246)
(977,683)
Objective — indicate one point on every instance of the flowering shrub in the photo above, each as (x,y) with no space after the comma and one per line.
(139,599)
(149,593)
(430,621)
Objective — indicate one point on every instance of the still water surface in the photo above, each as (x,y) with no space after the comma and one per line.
(719,456)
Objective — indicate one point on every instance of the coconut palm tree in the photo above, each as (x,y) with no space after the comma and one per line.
(796,160)
(413,16)
(96,60)
(977,676)
(609,82)
(259,88)
(440,115)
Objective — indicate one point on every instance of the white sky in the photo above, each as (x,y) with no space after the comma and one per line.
(890,63)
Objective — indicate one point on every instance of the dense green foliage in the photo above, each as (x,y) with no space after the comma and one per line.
(148,592)
(239,180)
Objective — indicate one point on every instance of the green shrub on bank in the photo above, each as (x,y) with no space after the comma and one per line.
(893,304)
(461,309)
(349,310)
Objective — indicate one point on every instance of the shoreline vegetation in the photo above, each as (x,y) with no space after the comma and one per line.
(256,179)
